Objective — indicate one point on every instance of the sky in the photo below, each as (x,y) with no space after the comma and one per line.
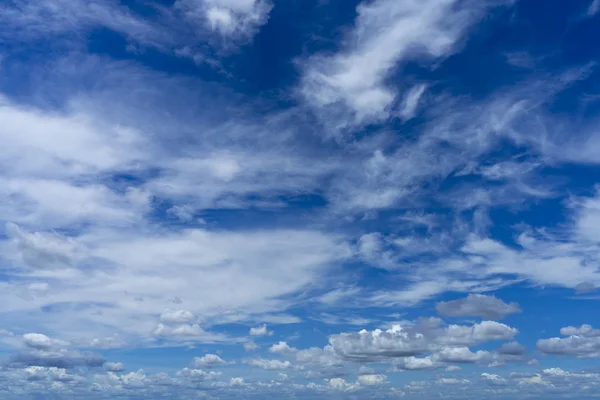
(299,199)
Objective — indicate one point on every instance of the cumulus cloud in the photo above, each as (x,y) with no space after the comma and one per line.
(269,364)
(260,331)
(579,342)
(208,361)
(178,330)
(424,337)
(493,379)
(198,374)
(512,348)
(40,341)
(114,366)
(477,305)
(282,348)
(372,379)
(342,385)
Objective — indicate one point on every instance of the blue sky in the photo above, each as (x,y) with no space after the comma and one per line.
(303,199)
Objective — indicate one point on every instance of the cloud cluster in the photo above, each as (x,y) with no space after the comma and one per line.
(583,341)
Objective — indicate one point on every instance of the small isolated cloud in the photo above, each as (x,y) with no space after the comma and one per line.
(250,346)
(260,331)
(477,305)
(269,365)
(208,361)
(411,102)
(236,20)
(282,348)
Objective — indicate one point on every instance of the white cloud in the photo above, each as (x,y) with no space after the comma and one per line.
(385,34)
(178,330)
(233,19)
(260,331)
(461,355)
(282,348)
(449,342)
(453,381)
(250,346)
(269,364)
(198,374)
(114,366)
(477,305)
(176,316)
(411,102)
(579,342)
(372,379)
(40,341)
(494,380)
(584,330)
(342,385)
(208,361)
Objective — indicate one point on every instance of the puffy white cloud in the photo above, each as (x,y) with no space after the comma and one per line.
(342,385)
(317,357)
(260,331)
(461,355)
(584,330)
(477,305)
(372,379)
(182,330)
(198,374)
(282,348)
(269,364)
(453,381)
(580,342)
(208,361)
(427,335)
(40,341)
